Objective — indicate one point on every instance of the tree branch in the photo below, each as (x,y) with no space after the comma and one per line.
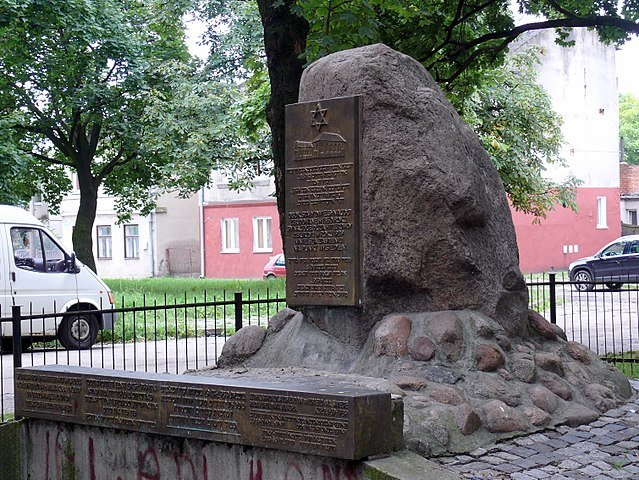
(45,158)
(509,35)
(116,161)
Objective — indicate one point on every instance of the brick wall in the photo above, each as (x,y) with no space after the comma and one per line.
(628,178)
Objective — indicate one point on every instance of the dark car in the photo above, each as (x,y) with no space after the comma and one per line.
(614,264)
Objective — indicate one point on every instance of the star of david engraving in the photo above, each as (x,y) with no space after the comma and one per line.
(319,117)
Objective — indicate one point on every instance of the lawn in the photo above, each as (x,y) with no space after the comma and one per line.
(189,311)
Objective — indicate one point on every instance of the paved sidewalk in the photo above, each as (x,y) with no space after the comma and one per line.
(606,449)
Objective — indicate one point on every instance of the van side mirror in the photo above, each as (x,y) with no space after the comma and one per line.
(72,266)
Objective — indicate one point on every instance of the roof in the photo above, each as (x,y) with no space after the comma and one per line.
(10,214)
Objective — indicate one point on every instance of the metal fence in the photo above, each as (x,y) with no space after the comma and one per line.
(174,337)
(170,337)
(604,318)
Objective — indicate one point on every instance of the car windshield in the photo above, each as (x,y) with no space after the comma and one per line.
(614,249)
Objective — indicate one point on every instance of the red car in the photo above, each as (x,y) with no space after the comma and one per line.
(276,267)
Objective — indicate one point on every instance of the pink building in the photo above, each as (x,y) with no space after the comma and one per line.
(240,238)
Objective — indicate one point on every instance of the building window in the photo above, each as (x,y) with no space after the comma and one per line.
(230,235)
(104,241)
(632,217)
(262,234)
(601,213)
(131,241)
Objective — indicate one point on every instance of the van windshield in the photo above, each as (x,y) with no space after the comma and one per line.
(35,250)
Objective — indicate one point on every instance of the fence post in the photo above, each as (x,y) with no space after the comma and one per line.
(17,335)
(238,310)
(553,299)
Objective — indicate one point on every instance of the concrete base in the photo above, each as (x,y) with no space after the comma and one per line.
(70,452)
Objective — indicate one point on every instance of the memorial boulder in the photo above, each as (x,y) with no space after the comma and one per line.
(436,229)
(403,265)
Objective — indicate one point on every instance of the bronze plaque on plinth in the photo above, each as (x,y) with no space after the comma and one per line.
(322,202)
(315,417)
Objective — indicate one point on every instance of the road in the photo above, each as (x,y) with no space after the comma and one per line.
(605,321)
(166,356)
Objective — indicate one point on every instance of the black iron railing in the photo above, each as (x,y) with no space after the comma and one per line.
(168,337)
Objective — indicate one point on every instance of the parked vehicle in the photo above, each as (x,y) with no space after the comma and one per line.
(276,267)
(38,274)
(615,263)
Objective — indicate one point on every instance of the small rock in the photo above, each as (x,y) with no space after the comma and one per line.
(505,374)
(391,336)
(543,398)
(409,383)
(504,342)
(602,397)
(488,358)
(484,327)
(523,349)
(536,416)
(280,319)
(447,395)
(523,367)
(556,385)
(490,386)
(442,375)
(577,414)
(244,343)
(540,326)
(550,362)
(497,417)
(559,331)
(466,419)
(578,352)
(446,331)
(422,349)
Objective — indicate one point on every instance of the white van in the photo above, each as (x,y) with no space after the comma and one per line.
(40,276)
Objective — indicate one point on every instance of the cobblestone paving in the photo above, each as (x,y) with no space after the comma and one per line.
(607,448)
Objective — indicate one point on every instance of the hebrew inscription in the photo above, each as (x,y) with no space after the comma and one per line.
(322,419)
(322,202)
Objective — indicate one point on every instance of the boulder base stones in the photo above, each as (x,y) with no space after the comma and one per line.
(432,238)
(391,336)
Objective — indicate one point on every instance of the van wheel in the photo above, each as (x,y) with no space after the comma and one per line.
(78,332)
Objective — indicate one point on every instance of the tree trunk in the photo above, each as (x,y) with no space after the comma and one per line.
(284,41)
(83,229)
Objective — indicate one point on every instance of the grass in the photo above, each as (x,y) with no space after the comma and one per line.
(187,321)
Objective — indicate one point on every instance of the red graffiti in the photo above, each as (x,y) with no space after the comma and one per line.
(62,456)
(148,465)
(46,459)
(91,459)
(336,473)
(181,459)
(293,467)
(257,475)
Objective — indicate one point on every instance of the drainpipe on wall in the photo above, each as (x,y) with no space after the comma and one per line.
(152,241)
(202,246)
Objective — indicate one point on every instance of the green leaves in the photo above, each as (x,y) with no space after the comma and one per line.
(514,119)
(629,127)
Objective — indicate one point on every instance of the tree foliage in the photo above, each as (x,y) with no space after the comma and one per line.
(629,127)
(105,89)
(515,121)
(463,44)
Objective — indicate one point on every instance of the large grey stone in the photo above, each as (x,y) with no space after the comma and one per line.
(436,228)
(244,343)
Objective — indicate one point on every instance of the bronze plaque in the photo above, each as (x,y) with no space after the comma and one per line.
(322,202)
(315,417)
